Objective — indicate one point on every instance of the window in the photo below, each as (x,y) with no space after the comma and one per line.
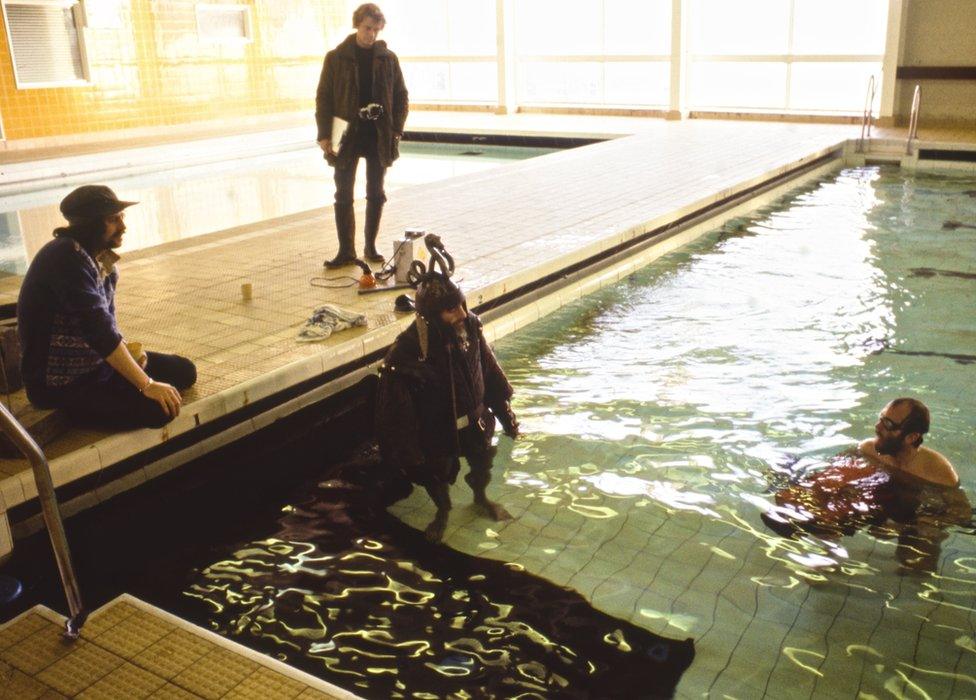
(799,56)
(230,23)
(594,52)
(447,48)
(46,43)
(784,55)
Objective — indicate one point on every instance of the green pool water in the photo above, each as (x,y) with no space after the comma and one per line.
(661,415)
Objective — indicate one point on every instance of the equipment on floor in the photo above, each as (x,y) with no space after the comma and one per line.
(367,280)
(439,257)
(410,261)
(405,251)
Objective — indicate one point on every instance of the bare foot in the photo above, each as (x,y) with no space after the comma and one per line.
(495,511)
(435,531)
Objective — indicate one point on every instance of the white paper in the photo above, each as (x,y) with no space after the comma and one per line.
(339,127)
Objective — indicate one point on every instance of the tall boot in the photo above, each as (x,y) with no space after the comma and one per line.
(345,218)
(374,211)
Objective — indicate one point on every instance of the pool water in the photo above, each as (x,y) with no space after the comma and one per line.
(190,201)
(661,415)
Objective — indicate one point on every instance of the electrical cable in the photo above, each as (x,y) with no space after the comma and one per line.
(315,282)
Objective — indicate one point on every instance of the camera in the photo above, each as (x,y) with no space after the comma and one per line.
(371,112)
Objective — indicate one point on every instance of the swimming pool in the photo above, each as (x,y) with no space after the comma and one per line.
(660,414)
(191,201)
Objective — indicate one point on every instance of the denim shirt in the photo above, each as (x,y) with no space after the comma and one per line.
(66,320)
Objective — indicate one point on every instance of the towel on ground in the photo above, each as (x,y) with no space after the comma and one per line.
(326,320)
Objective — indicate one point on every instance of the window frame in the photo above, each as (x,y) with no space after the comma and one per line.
(78,15)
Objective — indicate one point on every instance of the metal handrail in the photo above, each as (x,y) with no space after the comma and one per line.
(52,518)
(913,120)
(868,115)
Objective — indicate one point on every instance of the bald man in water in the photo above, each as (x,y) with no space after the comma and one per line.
(897,444)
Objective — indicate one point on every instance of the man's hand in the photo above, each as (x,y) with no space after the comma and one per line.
(509,422)
(326,146)
(166,396)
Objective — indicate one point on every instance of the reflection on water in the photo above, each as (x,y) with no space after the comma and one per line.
(346,592)
(662,416)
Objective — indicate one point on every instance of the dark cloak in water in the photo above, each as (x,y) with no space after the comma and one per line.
(348,593)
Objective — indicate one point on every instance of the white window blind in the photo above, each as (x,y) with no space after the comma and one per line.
(45,44)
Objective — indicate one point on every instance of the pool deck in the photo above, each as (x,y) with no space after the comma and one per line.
(506,228)
(130,649)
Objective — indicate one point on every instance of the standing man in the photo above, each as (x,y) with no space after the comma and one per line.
(361,83)
(72,353)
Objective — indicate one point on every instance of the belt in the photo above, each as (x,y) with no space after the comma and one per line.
(476,416)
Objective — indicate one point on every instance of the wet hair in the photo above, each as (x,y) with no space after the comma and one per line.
(918,418)
(88,232)
(436,293)
(368,10)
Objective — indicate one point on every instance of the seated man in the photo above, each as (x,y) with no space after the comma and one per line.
(73,356)
(439,394)
(897,444)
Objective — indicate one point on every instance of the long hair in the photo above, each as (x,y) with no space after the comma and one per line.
(89,233)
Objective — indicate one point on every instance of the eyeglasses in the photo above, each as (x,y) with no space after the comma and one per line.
(889,424)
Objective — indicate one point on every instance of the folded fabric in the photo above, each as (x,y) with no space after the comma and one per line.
(326,320)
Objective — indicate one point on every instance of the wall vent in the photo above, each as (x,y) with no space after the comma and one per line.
(46,44)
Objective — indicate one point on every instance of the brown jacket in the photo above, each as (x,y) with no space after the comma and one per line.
(338,96)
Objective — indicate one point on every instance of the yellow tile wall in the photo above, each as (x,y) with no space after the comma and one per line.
(155,71)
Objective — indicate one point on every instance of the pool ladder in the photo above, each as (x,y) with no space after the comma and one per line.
(913,119)
(868,116)
(52,518)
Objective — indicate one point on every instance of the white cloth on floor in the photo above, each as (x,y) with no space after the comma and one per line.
(326,320)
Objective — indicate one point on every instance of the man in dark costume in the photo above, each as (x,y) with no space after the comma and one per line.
(440,390)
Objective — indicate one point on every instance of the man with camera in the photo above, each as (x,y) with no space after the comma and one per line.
(361,84)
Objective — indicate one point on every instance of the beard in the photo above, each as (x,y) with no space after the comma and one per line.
(888,446)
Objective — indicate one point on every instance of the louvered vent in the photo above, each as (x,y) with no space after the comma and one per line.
(45,44)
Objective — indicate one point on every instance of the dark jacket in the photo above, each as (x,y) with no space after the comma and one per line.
(65,320)
(420,399)
(338,96)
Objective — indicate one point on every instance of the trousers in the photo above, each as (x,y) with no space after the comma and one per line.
(111,402)
(345,178)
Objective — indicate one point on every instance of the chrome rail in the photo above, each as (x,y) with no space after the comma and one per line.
(52,518)
(913,120)
(868,116)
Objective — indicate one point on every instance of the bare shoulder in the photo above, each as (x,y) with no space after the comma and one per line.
(866,448)
(935,467)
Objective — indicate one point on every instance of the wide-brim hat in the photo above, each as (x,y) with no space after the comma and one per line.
(92,202)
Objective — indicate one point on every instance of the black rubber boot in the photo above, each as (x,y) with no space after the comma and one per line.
(345,218)
(374,211)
